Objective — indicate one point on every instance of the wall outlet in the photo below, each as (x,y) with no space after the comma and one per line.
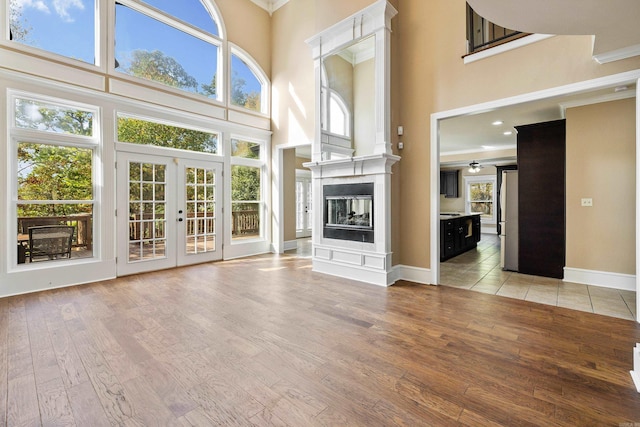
(587,202)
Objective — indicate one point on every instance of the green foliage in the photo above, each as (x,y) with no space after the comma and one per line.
(138,131)
(158,67)
(245,183)
(240,97)
(53,118)
(53,173)
(210,90)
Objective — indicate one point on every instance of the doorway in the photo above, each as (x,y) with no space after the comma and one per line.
(304,207)
(169,211)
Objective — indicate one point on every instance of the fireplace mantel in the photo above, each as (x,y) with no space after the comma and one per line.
(355,166)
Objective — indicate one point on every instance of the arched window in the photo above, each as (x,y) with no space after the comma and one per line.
(177,44)
(249,86)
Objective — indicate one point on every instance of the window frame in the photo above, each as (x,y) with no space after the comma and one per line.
(261,164)
(19,135)
(177,24)
(468,181)
(258,72)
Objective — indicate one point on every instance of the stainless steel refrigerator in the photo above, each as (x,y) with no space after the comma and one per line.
(509,221)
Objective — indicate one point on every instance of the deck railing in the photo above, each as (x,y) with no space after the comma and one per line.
(83,224)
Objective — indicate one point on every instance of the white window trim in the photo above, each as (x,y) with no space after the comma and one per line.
(260,163)
(467,203)
(256,69)
(35,136)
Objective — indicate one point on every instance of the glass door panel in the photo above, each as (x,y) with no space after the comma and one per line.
(169,212)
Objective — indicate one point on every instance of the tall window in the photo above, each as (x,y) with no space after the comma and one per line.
(247,202)
(248,83)
(181,51)
(54,149)
(480,196)
(62,27)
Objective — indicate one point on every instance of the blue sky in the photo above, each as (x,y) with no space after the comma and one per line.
(66,27)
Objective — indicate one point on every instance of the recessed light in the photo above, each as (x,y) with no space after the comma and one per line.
(507,133)
(497,123)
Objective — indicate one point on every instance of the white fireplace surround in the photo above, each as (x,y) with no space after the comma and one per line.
(366,262)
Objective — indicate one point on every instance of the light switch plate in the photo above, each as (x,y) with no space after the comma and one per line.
(587,202)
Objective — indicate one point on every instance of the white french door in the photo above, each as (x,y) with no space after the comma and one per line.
(303,206)
(169,212)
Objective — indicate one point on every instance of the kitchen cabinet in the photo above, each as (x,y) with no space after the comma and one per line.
(449,183)
(458,234)
(541,200)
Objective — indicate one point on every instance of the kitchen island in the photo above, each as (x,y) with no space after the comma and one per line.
(458,233)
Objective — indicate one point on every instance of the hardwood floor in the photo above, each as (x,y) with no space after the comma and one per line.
(265,341)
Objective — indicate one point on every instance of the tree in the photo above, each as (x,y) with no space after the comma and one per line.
(144,132)
(158,67)
(245,184)
(242,98)
(19,26)
(210,90)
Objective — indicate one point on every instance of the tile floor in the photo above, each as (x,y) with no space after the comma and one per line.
(479,270)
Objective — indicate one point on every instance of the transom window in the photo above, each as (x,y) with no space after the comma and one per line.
(146,132)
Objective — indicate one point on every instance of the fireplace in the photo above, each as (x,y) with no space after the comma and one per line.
(348,212)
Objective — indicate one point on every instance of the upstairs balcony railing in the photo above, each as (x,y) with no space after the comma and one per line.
(483,34)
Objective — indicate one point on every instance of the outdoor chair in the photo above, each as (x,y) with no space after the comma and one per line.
(50,241)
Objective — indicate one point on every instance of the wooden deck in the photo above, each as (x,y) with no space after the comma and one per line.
(265,341)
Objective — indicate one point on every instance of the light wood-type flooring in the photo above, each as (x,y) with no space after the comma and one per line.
(265,341)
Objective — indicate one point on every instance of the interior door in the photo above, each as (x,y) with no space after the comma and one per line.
(303,206)
(169,212)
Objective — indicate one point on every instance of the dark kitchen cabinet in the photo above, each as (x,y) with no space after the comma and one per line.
(458,234)
(449,183)
(541,201)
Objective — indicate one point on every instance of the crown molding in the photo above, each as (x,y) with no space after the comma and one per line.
(270,5)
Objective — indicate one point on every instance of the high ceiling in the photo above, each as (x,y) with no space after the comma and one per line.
(478,133)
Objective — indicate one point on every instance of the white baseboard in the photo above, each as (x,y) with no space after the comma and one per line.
(290,245)
(412,274)
(603,279)
(635,374)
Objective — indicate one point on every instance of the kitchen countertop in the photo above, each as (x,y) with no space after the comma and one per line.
(450,215)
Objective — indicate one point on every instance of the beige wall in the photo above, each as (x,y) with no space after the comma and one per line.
(434,78)
(249,27)
(601,165)
(300,161)
(428,76)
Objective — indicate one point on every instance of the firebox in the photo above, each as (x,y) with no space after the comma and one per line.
(348,212)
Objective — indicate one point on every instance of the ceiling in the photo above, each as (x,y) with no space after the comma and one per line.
(477,133)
